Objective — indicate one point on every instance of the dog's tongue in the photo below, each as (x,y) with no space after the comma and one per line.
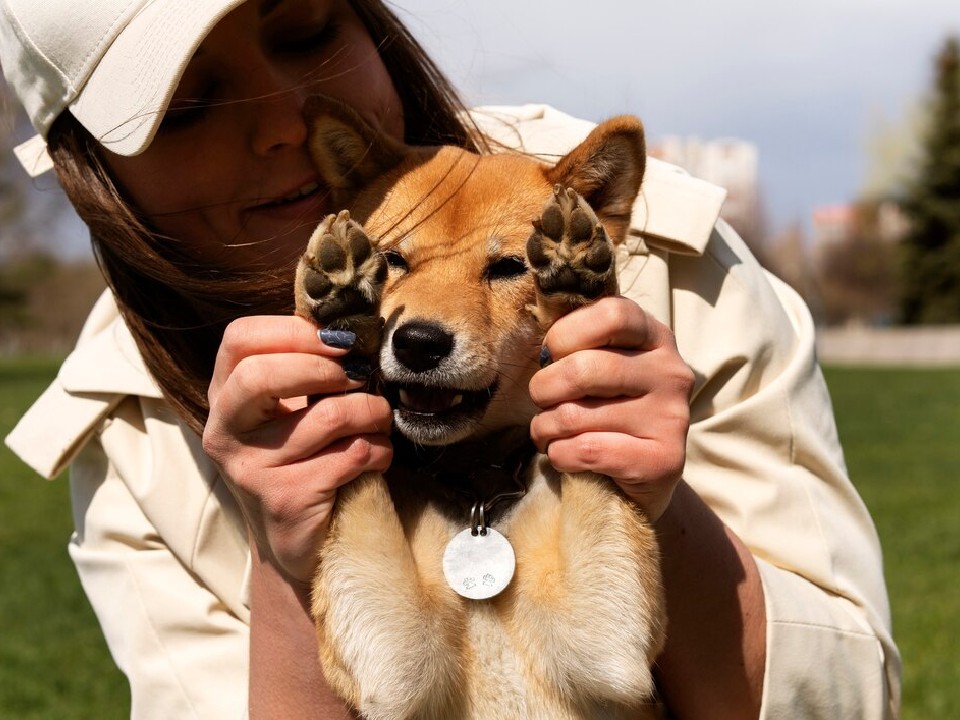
(429,400)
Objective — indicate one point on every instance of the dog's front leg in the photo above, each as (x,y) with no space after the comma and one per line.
(587,606)
(597,603)
(388,643)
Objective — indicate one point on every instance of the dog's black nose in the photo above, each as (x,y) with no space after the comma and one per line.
(421,346)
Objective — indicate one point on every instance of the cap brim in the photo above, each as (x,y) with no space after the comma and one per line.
(127,94)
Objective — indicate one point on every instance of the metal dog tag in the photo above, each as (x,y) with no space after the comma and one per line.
(479,564)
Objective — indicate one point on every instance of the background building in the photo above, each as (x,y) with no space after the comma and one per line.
(730,163)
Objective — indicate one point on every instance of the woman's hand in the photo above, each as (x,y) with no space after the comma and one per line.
(615,400)
(285,457)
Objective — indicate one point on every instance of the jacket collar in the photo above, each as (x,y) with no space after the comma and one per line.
(104,369)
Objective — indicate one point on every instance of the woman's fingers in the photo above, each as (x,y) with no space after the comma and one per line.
(251,395)
(643,418)
(608,349)
(303,433)
(608,373)
(615,400)
(265,335)
(287,429)
(288,508)
(290,492)
(614,322)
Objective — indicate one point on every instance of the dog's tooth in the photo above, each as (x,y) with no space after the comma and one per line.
(428,400)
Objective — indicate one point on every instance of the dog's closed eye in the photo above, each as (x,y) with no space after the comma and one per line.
(506,268)
(395,260)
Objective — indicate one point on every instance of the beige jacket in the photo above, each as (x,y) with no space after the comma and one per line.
(162,552)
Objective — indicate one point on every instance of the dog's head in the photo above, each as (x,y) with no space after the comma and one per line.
(460,343)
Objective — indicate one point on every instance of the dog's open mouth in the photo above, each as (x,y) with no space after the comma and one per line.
(426,400)
(436,415)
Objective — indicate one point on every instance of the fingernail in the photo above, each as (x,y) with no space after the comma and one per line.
(340,339)
(356,368)
(545,357)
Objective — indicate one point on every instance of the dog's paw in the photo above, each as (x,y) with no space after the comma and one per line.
(570,252)
(340,277)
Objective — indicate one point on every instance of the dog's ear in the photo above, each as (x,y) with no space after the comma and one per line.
(346,150)
(607,169)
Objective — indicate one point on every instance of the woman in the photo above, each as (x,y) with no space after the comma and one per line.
(175,128)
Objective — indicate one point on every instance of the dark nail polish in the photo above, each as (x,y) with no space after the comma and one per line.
(545,357)
(341,339)
(357,368)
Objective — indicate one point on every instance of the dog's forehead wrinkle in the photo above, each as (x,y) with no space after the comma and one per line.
(466,199)
(431,192)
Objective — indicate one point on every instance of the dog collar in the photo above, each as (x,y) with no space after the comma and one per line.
(478,476)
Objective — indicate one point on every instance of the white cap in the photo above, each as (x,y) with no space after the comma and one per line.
(113,63)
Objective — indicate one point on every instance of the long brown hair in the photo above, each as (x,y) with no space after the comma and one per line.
(177,311)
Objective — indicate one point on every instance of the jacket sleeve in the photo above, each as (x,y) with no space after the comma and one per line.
(182,648)
(763,452)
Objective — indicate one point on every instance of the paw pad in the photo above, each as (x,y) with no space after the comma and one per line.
(340,274)
(570,251)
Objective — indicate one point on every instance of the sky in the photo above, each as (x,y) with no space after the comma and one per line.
(816,85)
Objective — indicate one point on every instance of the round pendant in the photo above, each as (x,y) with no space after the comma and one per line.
(479,566)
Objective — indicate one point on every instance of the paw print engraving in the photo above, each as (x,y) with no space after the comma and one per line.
(469,583)
(489,580)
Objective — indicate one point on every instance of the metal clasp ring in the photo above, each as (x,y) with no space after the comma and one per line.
(478,519)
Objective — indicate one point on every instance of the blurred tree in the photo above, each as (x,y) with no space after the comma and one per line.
(857,276)
(44,296)
(53,298)
(12,195)
(17,276)
(789,259)
(12,297)
(892,148)
(930,279)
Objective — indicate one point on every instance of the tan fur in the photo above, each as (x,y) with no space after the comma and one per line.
(575,633)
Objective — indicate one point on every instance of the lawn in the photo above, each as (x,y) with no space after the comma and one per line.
(899,429)
(54,664)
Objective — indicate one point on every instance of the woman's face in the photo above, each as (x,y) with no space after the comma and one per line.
(228,172)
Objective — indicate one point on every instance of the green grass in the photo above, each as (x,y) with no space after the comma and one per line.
(899,429)
(54,664)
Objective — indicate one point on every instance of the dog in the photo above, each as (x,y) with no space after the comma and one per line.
(472,580)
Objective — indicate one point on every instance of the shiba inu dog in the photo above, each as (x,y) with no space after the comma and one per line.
(473,580)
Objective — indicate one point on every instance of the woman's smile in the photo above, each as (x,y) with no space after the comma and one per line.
(228,175)
(301,203)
